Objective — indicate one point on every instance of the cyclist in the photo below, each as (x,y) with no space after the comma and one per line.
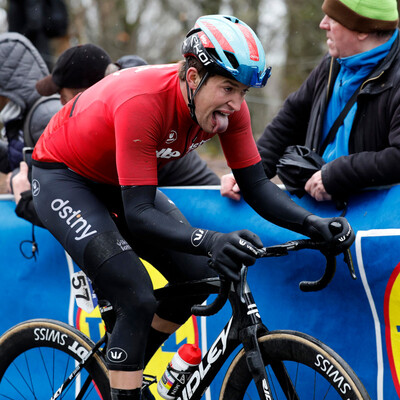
(95,184)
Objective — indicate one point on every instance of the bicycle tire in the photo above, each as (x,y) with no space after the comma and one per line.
(38,355)
(324,371)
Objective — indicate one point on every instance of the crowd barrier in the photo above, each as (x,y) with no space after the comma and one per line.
(359,319)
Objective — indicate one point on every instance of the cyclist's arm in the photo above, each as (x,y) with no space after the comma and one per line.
(145,220)
(269,200)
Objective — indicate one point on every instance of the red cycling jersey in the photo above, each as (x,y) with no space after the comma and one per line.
(124,128)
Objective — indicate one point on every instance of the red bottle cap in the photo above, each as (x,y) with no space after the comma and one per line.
(190,353)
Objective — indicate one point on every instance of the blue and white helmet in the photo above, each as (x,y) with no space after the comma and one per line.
(227,46)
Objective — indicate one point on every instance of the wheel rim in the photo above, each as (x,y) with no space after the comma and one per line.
(316,372)
(39,372)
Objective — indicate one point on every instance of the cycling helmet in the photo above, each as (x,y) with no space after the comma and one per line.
(227,46)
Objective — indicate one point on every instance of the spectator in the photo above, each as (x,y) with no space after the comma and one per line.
(131,60)
(77,69)
(39,21)
(21,66)
(128,61)
(364,55)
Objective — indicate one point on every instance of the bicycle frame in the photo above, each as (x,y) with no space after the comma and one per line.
(244,327)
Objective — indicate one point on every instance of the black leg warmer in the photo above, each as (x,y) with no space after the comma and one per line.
(123,394)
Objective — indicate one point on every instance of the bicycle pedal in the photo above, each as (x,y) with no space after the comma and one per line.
(148,380)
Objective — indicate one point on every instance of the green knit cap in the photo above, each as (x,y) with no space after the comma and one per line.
(363,15)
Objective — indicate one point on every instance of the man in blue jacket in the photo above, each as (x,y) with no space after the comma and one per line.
(364,48)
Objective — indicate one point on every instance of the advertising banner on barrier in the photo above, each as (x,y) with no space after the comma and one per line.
(359,319)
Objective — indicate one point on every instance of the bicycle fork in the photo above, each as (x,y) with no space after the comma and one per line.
(249,335)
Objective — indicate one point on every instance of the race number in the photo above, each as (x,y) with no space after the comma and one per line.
(82,289)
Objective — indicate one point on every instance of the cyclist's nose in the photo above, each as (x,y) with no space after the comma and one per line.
(236,102)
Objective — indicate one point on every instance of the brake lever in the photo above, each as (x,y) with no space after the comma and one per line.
(242,283)
(348,259)
(274,251)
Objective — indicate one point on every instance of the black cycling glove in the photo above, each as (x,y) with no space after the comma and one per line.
(228,251)
(336,231)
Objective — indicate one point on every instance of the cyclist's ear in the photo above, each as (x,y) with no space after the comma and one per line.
(193,78)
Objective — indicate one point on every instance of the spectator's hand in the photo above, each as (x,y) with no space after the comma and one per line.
(20,181)
(228,251)
(229,187)
(8,182)
(336,231)
(315,188)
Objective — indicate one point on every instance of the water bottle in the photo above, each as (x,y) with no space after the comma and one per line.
(178,371)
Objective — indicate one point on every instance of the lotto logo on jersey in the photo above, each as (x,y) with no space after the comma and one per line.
(168,153)
(392,325)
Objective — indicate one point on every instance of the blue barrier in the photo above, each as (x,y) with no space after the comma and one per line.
(359,319)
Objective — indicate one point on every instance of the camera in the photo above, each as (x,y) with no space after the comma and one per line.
(27,156)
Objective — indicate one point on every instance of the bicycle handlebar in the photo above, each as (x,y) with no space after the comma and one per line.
(212,308)
(277,251)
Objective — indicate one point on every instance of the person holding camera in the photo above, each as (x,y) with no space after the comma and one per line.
(347,110)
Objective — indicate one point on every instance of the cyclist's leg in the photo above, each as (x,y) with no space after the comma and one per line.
(172,313)
(175,267)
(81,222)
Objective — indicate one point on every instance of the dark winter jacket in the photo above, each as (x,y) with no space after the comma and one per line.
(21,66)
(374,144)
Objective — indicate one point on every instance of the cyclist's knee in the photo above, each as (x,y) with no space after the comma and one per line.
(120,278)
(102,249)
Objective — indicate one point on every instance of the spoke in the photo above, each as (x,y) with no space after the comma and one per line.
(45,368)
(32,387)
(65,375)
(297,375)
(13,386)
(315,384)
(272,382)
(326,394)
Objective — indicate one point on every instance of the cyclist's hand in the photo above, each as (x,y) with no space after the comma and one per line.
(228,251)
(337,232)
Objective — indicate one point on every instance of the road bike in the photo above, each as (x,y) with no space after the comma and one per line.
(48,359)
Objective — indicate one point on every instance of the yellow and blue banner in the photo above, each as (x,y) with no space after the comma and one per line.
(359,319)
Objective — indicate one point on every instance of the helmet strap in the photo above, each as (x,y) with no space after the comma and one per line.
(191,94)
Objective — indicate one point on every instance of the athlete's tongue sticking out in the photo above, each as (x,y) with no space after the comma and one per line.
(220,122)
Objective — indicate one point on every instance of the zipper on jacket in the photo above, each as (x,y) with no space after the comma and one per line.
(370,79)
(329,80)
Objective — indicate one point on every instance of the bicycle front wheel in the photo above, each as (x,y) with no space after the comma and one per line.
(37,356)
(298,367)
